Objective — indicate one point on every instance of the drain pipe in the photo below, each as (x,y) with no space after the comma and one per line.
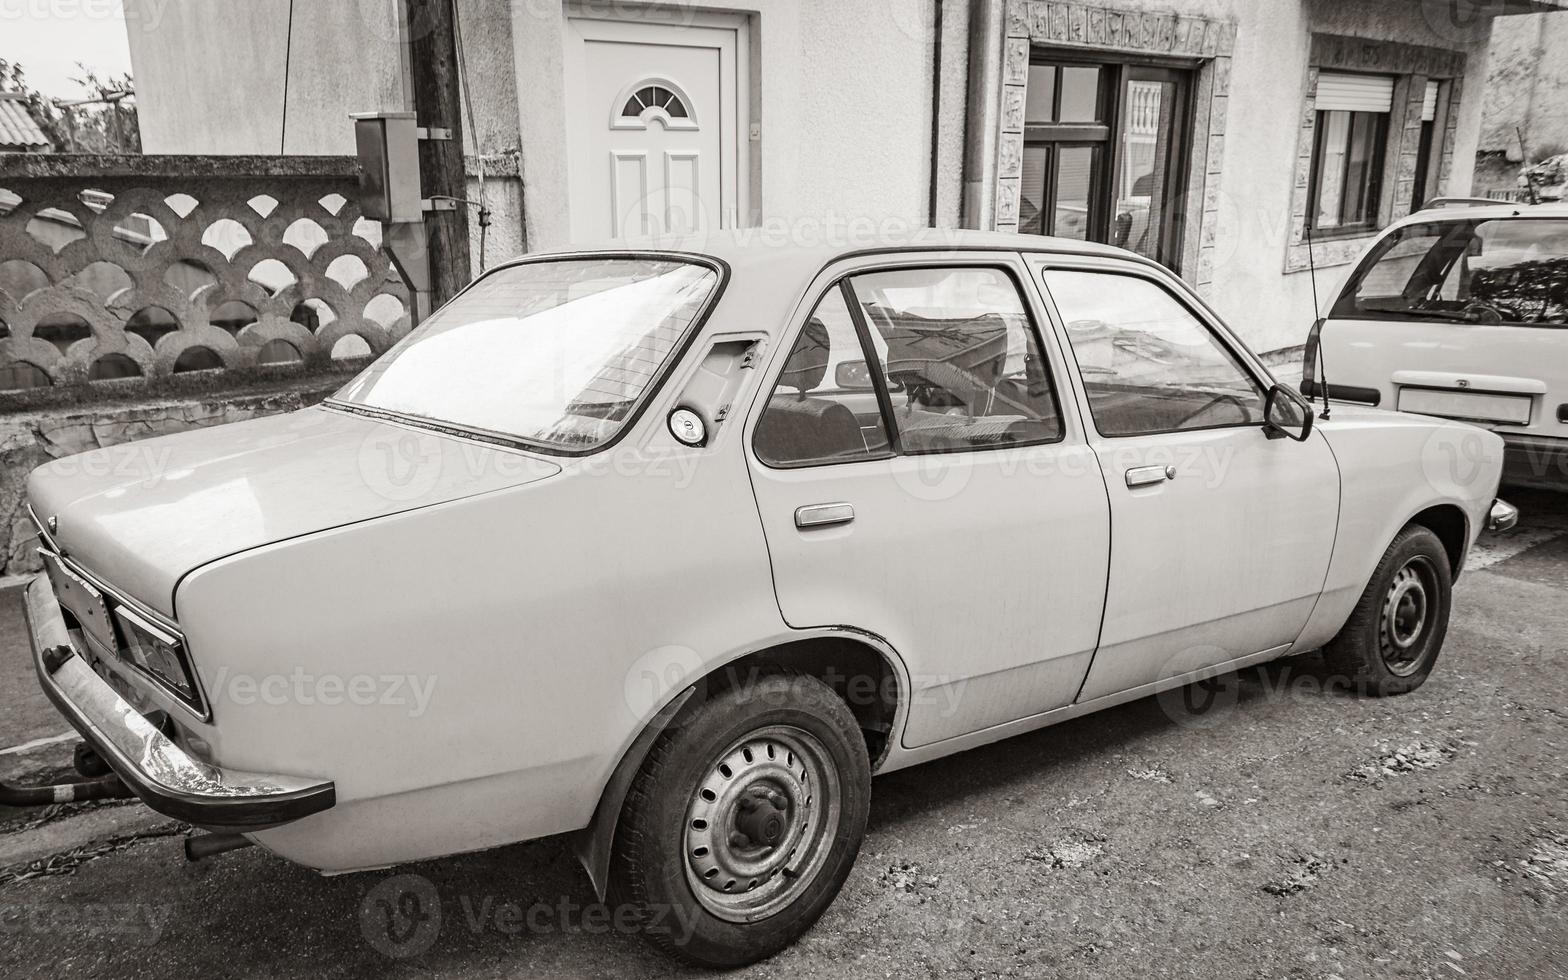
(107,788)
(987,43)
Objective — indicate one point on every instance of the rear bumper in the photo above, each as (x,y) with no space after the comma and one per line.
(1535,461)
(157,770)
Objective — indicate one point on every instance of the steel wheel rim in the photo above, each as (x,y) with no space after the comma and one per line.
(760,823)
(1408,607)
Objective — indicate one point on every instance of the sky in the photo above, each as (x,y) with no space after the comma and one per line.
(48,38)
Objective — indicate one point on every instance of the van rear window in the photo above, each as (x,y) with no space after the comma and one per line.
(1494,270)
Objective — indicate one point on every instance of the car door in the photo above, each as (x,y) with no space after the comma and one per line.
(964,520)
(1222,529)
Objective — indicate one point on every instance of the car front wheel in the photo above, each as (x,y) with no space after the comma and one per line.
(744,821)
(1392,639)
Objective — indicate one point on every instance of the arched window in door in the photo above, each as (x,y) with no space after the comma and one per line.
(652,99)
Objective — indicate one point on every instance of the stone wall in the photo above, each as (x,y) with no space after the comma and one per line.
(30,439)
(129,271)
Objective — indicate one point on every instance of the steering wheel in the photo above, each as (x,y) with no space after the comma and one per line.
(1241,408)
(1483,312)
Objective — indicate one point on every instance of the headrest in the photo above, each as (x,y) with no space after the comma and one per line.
(808,363)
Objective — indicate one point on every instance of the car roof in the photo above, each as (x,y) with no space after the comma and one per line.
(1458,211)
(768,265)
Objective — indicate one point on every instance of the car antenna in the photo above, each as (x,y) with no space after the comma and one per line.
(1524,156)
(1315,338)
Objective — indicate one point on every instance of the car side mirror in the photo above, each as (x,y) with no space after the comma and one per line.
(1286,413)
(853,376)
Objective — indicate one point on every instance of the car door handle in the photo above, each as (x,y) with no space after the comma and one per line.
(824,515)
(1144,476)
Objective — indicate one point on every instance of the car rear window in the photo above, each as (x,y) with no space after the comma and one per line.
(557,354)
(1494,270)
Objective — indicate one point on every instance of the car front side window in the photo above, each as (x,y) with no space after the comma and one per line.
(1149,364)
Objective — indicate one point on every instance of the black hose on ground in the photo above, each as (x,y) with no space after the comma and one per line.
(107,788)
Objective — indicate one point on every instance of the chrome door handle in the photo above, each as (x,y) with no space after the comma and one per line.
(824,515)
(1144,476)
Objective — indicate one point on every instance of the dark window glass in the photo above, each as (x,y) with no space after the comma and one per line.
(1081,95)
(1347,168)
(1074,183)
(1494,271)
(961,357)
(1040,96)
(824,408)
(1148,364)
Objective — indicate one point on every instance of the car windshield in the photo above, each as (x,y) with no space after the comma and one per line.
(1497,270)
(557,353)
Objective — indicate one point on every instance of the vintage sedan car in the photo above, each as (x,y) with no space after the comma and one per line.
(676,548)
(1461,311)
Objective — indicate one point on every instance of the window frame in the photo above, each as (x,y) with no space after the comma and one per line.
(874,365)
(1210,321)
(1104,135)
(1375,169)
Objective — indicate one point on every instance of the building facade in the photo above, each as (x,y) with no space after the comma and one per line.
(1240,142)
(1527,88)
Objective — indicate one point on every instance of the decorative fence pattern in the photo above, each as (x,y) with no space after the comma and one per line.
(134,269)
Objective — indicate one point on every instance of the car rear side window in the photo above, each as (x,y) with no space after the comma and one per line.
(824,408)
(961,359)
(1494,270)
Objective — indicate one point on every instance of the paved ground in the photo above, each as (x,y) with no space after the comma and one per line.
(1292,832)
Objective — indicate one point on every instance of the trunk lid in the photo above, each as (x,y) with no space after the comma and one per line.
(141,515)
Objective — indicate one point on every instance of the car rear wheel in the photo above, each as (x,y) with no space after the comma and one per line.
(744,821)
(1393,637)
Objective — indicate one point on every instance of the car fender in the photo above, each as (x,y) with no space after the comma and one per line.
(594,843)
(1393,467)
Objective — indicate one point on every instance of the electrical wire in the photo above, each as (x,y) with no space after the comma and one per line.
(479,154)
(288,56)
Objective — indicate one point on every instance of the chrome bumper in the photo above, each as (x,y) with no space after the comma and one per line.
(156,770)
(1502,516)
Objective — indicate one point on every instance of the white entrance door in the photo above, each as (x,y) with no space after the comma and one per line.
(654,122)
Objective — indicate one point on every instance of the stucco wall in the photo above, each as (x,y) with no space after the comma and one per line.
(1269,307)
(844,108)
(1527,85)
(210,73)
(844,104)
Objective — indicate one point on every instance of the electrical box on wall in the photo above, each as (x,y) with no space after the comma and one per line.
(387,144)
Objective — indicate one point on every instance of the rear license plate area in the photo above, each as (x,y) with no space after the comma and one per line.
(1483,406)
(85,603)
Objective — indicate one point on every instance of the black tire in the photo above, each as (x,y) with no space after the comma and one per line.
(653,867)
(1382,648)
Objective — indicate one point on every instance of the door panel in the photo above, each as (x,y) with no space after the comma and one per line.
(654,117)
(1222,535)
(1224,560)
(984,568)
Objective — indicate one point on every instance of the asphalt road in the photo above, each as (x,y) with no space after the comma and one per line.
(1292,831)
